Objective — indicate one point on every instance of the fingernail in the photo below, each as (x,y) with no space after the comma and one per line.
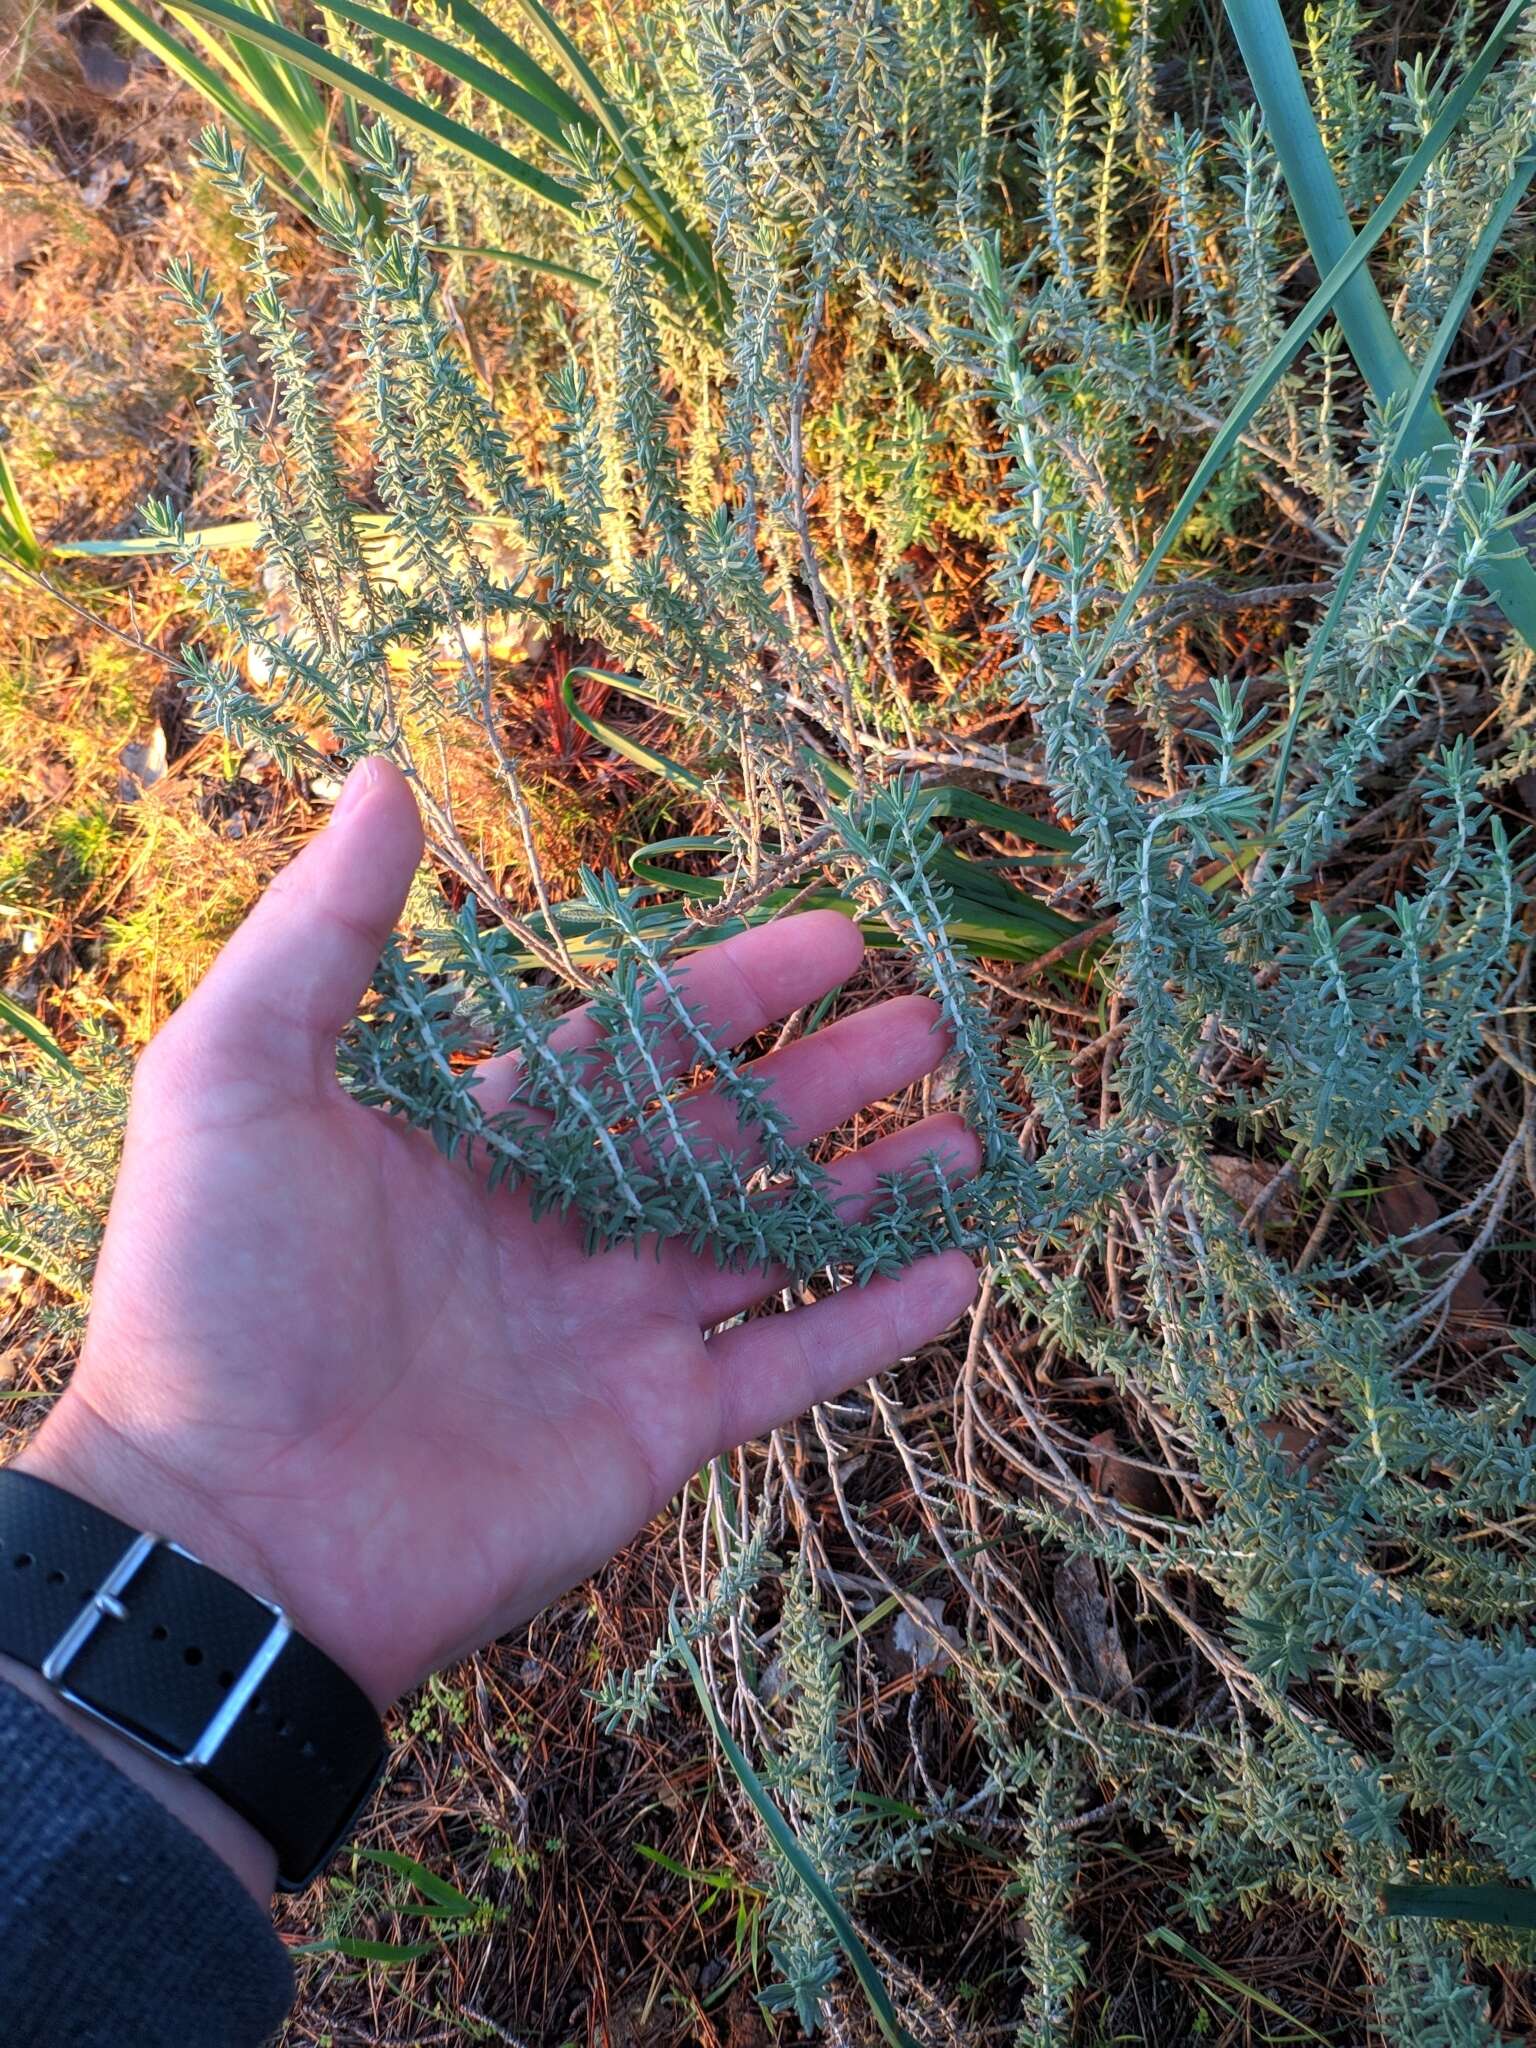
(363,778)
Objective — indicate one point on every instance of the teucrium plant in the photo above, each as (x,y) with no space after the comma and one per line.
(925,234)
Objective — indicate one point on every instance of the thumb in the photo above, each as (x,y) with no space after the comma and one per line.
(290,980)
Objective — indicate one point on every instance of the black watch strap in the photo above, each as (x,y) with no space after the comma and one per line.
(140,1635)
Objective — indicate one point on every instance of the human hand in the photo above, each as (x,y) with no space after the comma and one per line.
(344,1372)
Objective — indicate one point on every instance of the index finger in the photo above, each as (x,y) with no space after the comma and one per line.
(736,989)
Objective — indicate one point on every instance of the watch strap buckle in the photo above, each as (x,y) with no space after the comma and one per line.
(106,1604)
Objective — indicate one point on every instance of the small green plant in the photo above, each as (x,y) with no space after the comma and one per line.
(449,1914)
(440,1705)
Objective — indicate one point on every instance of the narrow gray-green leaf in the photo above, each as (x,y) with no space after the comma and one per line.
(1404,436)
(1321,302)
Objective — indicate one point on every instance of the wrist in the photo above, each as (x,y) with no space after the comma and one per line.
(263,1745)
(98,1462)
(91,1462)
(269,1555)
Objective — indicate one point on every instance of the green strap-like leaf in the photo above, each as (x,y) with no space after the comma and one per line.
(18,536)
(1485,1905)
(1181,1947)
(1265,43)
(1012,928)
(228,535)
(827,1901)
(516,260)
(515,60)
(384,98)
(1405,434)
(620,131)
(427,1882)
(1322,301)
(15,1018)
(530,108)
(621,743)
(294,179)
(369,1951)
(950,801)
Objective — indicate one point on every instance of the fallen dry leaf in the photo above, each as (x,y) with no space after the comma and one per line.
(1244,1180)
(143,765)
(1404,1205)
(1117,1479)
(1088,1616)
(914,1648)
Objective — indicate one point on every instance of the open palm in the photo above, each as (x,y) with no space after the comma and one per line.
(344,1372)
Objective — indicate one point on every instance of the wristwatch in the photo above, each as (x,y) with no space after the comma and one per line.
(142,1636)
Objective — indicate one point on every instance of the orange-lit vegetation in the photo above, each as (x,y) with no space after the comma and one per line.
(770,480)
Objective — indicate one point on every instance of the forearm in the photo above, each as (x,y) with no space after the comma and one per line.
(119,1927)
(231,1838)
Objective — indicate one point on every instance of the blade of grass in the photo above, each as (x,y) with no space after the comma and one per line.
(437,1889)
(827,1901)
(385,98)
(231,534)
(561,111)
(1018,929)
(1266,49)
(293,178)
(1181,1947)
(285,96)
(516,260)
(621,743)
(532,109)
(973,884)
(515,60)
(530,95)
(949,800)
(38,1035)
(716,1880)
(953,802)
(369,1951)
(1402,439)
(18,536)
(620,132)
(1322,301)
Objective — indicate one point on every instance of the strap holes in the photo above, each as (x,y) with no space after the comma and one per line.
(159,1632)
(226,1680)
(54,1579)
(22,1559)
(192,1655)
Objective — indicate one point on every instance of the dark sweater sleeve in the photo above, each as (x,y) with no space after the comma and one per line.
(119,1928)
